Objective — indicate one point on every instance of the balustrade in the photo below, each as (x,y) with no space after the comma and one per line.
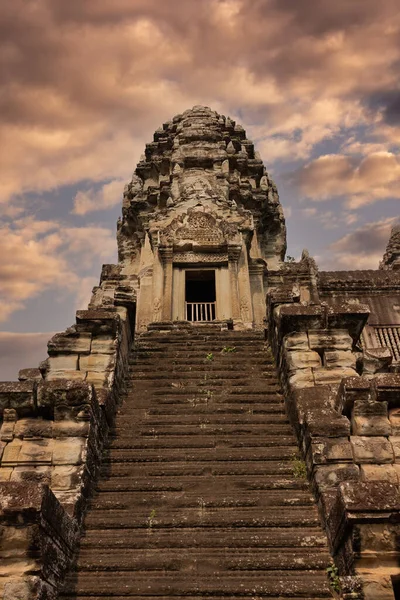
(200,311)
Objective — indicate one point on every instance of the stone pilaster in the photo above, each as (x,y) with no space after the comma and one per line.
(233,258)
(167,256)
(256,272)
(246,306)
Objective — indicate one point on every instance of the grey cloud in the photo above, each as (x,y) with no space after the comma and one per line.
(371,238)
(388,104)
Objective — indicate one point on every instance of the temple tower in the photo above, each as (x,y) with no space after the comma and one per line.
(201,221)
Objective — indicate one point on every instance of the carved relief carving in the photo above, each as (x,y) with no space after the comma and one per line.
(200,227)
(195,257)
(157,310)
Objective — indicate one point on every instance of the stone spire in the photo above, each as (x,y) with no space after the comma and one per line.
(391,258)
(202,157)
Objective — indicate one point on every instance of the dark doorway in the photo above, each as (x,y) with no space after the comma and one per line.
(396,586)
(200,295)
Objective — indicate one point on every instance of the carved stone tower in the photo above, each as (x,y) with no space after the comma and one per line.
(201,221)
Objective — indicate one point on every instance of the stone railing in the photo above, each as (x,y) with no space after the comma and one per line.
(55,422)
(347,427)
(200,311)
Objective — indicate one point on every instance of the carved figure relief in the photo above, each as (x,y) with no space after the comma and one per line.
(157,310)
(244,310)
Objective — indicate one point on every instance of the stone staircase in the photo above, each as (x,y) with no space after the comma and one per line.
(198,496)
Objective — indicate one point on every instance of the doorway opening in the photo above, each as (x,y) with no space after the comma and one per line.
(200,295)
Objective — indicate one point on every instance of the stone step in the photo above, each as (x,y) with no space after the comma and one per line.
(209,499)
(126,440)
(292,516)
(206,560)
(204,429)
(200,484)
(133,422)
(174,373)
(185,597)
(119,463)
(208,455)
(283,584)
(197,406)
(234,360)
(133,399)
(197,496)
(180,388)
(202,402)
(265,537)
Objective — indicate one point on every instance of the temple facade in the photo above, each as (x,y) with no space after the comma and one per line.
(219,421)
(201,220)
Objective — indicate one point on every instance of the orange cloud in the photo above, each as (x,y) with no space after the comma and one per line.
(362,181)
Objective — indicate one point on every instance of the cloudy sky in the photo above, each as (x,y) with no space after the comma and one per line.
(85,83)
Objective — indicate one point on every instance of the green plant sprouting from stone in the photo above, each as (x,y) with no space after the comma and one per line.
(227,349)
(210,356)
(333,576)
(299,467)
(150,520)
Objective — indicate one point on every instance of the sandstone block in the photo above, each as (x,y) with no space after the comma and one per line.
(31,474)
(34,428)
(340,358)
(296,341)
(96,378)
(69,342)
(68,375)
(18,395)
(377,450)
(29,375)
(8,426)
(350,390)
(330,476)
(299,359)
(66,399)
(379,473)
(394,418)
(70,428)
(301,379)
(325,339)
(331,376)
(370,418)
(331,450)
(96,362)
(5,473)
(68,451)
(64,478)
(104,345)
(395,441)
(62,362)
(376,360)
(37,452)
(11,453)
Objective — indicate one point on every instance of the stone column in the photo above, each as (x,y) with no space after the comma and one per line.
(167,254)
(158,284)
(233,257)
(246,307)
(256,271)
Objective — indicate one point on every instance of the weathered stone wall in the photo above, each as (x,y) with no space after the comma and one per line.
(347,428)
(54,424)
